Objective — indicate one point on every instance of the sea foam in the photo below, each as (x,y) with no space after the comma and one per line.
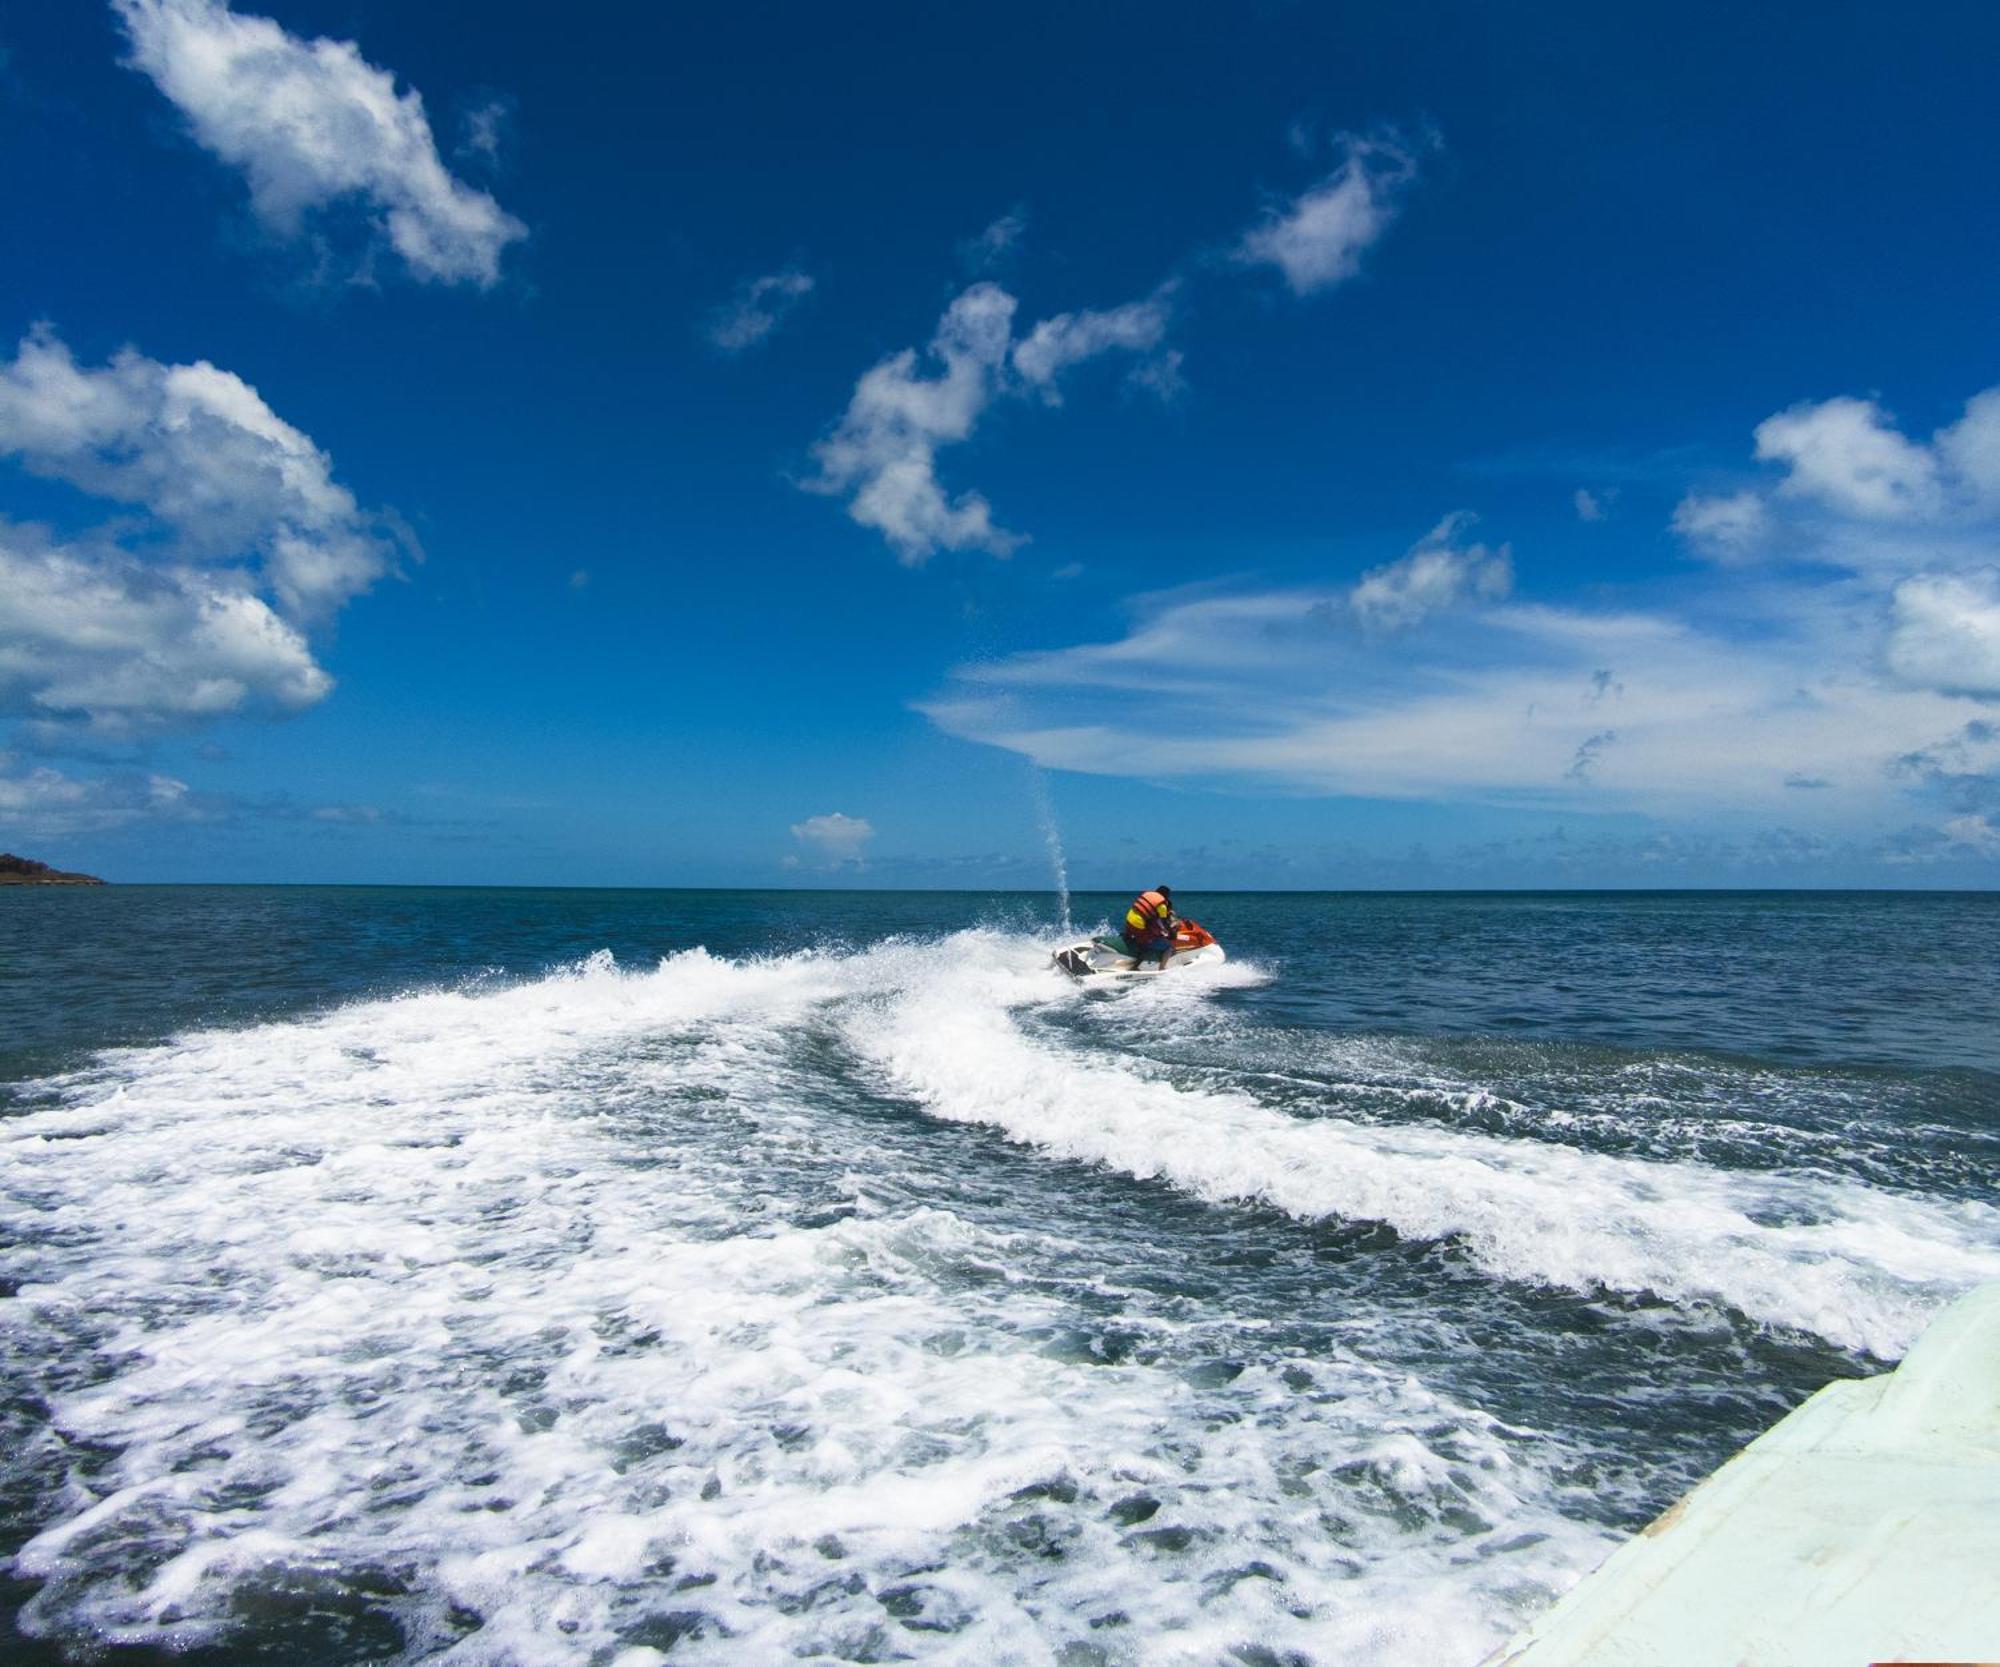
(1860,1267)
(573,1321)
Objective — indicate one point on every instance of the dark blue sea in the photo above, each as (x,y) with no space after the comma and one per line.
(624,1278)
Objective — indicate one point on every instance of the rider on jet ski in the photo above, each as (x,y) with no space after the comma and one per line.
(1149,926)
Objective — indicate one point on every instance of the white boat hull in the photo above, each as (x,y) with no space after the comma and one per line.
(1091,959)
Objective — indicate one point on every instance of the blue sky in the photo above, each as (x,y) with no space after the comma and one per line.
(1290,446)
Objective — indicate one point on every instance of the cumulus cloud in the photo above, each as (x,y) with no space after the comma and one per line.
(883,452)
(757,308)
(1855,491)
(1914,525)
(201,607)
(103,639)
(200,450)
(836,839)
(1439,572)
(1724,528)
(1946,632)
(312,125)
(1594,505)
(1846,454)
(1969,450)
(1317,239)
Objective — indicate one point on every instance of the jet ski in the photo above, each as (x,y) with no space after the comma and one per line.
(1106,958)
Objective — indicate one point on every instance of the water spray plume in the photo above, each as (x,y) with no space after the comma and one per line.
(1045,811)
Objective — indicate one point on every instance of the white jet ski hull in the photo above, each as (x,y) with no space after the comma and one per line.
(1093,960)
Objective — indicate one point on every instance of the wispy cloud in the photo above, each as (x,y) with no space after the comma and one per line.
(45,803)
(484,126)
(1715,708)
(1056,344)
(312,125)
(757,308)
(1317,239)
(42,802)
(993,246)
(1498,705)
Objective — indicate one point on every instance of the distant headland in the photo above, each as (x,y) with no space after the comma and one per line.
(24,871)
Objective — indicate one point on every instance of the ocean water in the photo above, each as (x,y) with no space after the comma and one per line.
(618,1278)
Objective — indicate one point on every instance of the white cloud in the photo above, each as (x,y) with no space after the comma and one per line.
(757,308)
(1437,573)
(44,803)
(1182,644)
(1946,632)
(1594,506)
(835,838)
(1845,453)
(1715,711)
(1856,492)
(201,609)
(1726,528)
(200,450)
(1976,833)
(1055,344)
(124,646)
(311,124)
(1317,240)
(1509,708)
(1970,448)
(883,452)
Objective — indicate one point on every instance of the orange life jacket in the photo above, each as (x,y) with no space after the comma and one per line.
(1148,914)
